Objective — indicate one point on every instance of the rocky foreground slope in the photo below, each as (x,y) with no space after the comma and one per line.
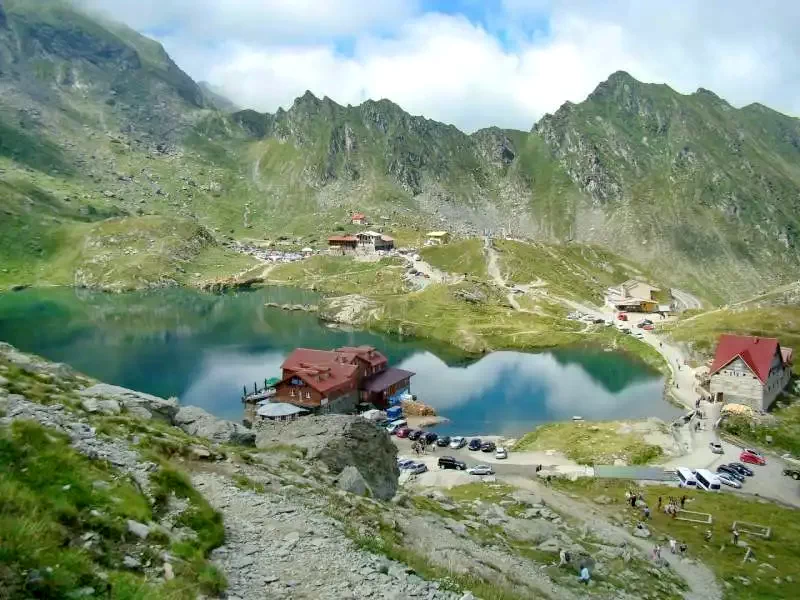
(138,503)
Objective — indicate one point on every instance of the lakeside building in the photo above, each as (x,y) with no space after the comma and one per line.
(635,296)
(371,241)
(749,370)
(342,244)
(437,238)
(336,381)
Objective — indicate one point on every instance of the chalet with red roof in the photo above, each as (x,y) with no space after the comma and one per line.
(749,370)
(335,381)
(359,219)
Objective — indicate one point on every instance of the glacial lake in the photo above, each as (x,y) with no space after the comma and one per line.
(204,347)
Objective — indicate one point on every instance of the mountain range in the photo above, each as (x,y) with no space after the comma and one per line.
(102,135)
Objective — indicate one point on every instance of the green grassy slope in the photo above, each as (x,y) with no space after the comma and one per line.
(703,330)
(465,256)
(706,192)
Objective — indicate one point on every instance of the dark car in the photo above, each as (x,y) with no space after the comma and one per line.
(488,447)
(443,441)
(730,471)
(415,434)
(743,470)
(475,444)
(430,437)
(448,462)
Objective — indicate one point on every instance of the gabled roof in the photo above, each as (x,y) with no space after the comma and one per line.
(385,379)
(632,282)
(342,238)
(359,216)
(365,353)
(756,352)
(324,377)
(369,234)
(437,234)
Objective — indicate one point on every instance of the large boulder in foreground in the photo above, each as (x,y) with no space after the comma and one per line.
(102,397)
(196,421)
(341,441)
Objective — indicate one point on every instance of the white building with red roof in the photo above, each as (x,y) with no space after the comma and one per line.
(749,370)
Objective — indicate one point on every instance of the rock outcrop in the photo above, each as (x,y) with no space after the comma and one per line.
(103,397)
(341,441)
(196,421)
(350,480)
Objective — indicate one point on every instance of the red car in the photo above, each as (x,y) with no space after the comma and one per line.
(752,457)
(622,316)
(648,327)
(402,432)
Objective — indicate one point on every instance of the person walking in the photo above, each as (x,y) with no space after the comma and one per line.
(683,548)
(673,546)
(585,576)
(659,503)
(683,501)
(646,512)
(563,557)
(735,537)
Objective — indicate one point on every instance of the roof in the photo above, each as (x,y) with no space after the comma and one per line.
(756,352)
(359,216)
(279,409)
(787,354)
(631,282)
(385,379)
(325,378)
(387,238)
(369,234)
(437,233)
(365,353)
(342,238)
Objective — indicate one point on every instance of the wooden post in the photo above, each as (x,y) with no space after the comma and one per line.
(244,391)
(255,387)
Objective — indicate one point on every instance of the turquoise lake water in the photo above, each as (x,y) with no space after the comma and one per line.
(204,347)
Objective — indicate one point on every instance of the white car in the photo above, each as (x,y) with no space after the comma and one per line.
(716,447)
(457,442)
(729,481)
(501,453)
(481,470)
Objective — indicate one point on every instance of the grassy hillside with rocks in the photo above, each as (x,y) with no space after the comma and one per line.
(133,496)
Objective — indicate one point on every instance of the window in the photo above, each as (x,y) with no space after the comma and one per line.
(291,392)
(308,395)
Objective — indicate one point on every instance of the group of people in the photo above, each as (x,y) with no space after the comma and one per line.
(419,447)
(671,508)
(674,548)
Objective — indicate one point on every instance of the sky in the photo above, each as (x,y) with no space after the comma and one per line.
(474,63)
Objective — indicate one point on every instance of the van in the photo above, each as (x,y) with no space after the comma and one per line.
(686,478)
(706,480)
(395,425)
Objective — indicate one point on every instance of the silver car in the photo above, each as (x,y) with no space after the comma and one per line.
(729,481)
(481,470)
(716,447)
(417,468)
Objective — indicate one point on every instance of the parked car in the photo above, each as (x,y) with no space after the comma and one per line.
(733,473)
(752,457)
(458,442)
(415,434)
(402,432)
(430,437)
(793,473)
(716,447)
(649,327)
(449,462)
(481,470)
(729,481)
(418,468)
(598,321)
(742,469)
(404,463)
(443,441)
(488,447)
(475,444)
(622,316)
(501,453)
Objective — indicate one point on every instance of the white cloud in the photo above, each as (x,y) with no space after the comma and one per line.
(264,53)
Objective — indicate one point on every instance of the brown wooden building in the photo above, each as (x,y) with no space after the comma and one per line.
(325,381)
